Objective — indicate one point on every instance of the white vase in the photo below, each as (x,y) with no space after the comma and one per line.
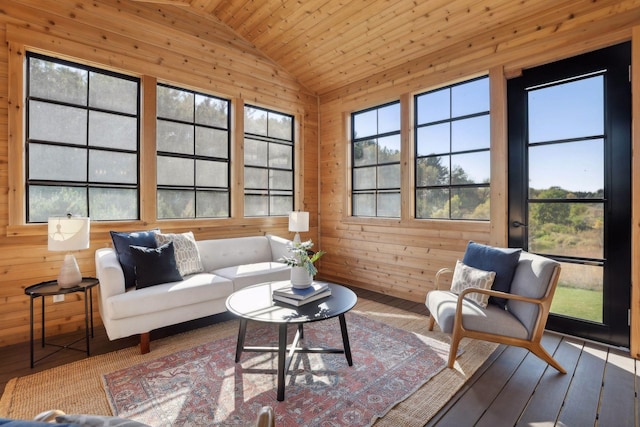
(300,277)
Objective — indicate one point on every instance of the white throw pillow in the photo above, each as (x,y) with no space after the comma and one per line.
(465,277)
(186,251)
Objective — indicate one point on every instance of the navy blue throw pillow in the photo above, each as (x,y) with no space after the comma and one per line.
(501,260)
(121,243)
(154,266)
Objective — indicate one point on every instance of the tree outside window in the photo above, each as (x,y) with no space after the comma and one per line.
(268,162)
(375,151)
(82,141)
(193,140)
(452,152)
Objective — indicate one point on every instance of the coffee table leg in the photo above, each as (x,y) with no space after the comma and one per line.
(282,355)
(241,332)
(345,339)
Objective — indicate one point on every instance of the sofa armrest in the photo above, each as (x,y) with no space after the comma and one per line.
(279,247)
(109,272)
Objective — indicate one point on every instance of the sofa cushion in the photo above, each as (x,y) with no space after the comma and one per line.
(245,275)
(191,290)
(186,251)
(501,260)
(155,265)
(221,253)
(465,277)
(121,243)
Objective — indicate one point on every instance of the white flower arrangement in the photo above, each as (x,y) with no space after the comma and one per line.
(303,256)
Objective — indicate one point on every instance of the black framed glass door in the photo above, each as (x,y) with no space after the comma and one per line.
(570,185)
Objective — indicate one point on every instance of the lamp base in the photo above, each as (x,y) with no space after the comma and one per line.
(69,275)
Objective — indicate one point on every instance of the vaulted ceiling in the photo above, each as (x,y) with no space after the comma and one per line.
(326,44)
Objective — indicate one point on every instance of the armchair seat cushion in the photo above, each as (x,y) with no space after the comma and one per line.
(492,319)
(156,299)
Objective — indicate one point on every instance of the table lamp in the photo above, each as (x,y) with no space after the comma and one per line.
(298,221)
(68,234)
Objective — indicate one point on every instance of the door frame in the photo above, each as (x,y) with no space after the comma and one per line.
(615,328)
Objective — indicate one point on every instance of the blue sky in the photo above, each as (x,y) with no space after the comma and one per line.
(568,110)
(572,109)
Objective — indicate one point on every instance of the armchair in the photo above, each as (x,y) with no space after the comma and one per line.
(521,323)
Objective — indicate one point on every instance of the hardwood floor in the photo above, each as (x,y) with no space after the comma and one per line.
(512,388)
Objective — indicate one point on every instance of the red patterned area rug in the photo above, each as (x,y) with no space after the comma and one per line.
(203,386)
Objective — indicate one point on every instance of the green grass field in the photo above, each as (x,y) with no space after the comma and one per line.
(576,302)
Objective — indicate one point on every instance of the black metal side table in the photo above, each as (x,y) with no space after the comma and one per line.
(51,288)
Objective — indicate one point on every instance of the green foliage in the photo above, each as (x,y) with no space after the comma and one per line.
(55,201)
(268,123)
(211,111)
(577,217)
(56,81)
(559,225)
(454,203)
(388,155)
(303,256)
(430,171)
(557,213)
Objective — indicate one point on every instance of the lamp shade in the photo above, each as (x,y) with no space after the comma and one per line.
(299,221)
(68,233)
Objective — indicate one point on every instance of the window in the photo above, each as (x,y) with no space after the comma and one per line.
(268,162)
(376,161)
(452,159)
(82,138)
(193,154)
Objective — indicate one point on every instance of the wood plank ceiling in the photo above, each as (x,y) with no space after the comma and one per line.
(326,44)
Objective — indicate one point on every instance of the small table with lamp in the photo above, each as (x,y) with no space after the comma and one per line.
(51,288)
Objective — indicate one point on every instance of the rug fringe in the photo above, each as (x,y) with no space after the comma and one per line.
(107,393)
(7,397)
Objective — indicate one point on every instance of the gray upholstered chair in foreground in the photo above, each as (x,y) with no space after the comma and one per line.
(265,418)
(522,320)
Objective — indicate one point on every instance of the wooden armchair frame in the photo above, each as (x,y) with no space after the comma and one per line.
(532,344)
(266,417)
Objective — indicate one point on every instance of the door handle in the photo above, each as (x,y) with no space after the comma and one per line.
(517,224)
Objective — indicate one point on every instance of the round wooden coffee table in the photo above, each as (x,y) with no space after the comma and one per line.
(255,303)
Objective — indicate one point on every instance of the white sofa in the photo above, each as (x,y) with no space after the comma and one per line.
(229,264)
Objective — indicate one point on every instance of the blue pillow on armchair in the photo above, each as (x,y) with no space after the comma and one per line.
(501,260)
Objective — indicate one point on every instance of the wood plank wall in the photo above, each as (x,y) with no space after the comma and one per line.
(181,49)
(400,257)
(397,257)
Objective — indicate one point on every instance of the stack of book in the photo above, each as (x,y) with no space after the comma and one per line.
(298,297)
